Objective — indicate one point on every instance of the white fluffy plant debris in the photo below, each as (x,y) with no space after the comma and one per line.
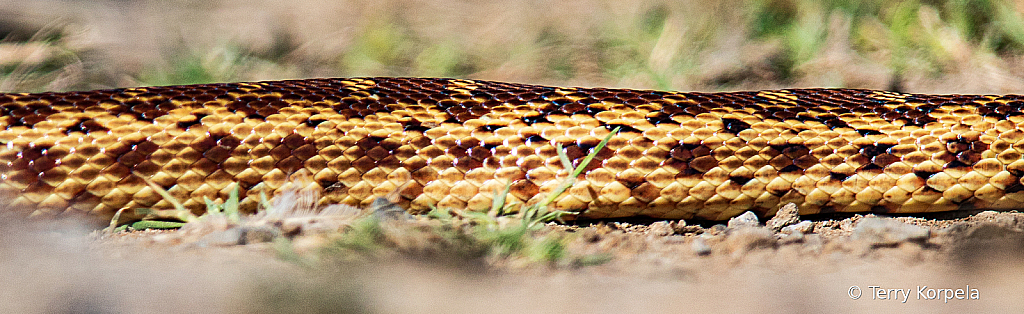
(292,213)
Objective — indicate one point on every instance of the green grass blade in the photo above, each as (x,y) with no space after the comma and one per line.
(566,163)
(586,160)
(211,207)
(113,222)
(156,224)
(265,203)
(439,214)
(579,168)
(498,204)
(231,205)
(181,212)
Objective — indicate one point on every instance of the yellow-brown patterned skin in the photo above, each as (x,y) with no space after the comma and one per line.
(453,143)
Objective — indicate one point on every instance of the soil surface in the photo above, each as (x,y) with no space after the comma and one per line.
(787,264)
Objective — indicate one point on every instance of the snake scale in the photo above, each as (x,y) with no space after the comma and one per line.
(453,143)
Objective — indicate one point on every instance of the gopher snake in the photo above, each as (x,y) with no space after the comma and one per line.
(453,143)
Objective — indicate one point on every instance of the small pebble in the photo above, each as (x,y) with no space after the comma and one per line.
(679,227)
(805,226)
(848,223)
(716,229)
(747,219)
(661,229)
(787,215)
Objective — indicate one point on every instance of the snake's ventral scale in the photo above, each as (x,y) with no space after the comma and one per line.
(453,143)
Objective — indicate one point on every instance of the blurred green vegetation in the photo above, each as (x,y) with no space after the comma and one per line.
(648,44)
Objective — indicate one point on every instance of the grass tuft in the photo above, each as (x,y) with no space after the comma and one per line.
(491,237)
(179,216)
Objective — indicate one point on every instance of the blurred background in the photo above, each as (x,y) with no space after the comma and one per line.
(958,46)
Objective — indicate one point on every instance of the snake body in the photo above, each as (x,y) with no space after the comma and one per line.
(453,143)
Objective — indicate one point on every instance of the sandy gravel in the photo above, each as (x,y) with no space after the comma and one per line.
(655,267)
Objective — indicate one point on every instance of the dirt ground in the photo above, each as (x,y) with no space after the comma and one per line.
(853,264)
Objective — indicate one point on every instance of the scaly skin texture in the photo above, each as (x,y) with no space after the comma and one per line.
(453,143)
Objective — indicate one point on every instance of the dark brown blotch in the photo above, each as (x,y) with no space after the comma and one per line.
(524,189)
(838,176)
(389,162)
(623,128)
(791,169)
(875,149)
(741,180)
(377,153)
(734,126)
(189,121)
(86,126)
(1015,188)
(466,163)
(414,125)
(703,164)
(646,192)
(958,165)
(925,174)
(884,160)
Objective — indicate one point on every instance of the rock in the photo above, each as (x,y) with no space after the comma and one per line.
(690,230)
(716,229)
(986,215)
(849,223)
(881,231)
(787,215)
(747,219)
(700,246)
(679,227)
(805,226)
(830,224)
(661,229)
